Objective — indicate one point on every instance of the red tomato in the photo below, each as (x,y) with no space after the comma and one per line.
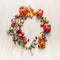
(19,35)
(17,15)
(47,29)
(41,25)
(22,33)
(40,12)
(21,12)
(19,31)
(25,41)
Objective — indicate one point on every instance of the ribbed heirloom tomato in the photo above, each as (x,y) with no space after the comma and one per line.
(23,10)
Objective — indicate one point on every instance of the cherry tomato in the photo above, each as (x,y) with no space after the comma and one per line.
(17,15)
(22,33)
(41,25)
(19,35)
(25,41)
(19,31)
(40,12)
(47,28)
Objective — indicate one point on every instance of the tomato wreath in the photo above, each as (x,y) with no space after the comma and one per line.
(19,36)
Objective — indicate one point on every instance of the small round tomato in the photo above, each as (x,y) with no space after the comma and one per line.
(41,25)
(22,33)
(25,41)
(47,28)
(19,35)
(40,37)
(33,12)
(39,46)
(12,24)
(31,15)
(40,12)
(19,31)
(20,24)
(17,15)
(46,21)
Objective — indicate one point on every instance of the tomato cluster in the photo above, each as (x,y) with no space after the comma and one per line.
(19,36)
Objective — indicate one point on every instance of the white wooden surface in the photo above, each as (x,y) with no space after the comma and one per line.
(8,51)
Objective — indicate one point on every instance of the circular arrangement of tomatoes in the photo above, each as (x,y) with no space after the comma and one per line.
(19,36)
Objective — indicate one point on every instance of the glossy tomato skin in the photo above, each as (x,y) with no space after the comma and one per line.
(19,31)
(23,11)
(40,12)
(47,28)
(19,35)
(17,15)
(26,9)
(41,25)
(22,33)
(25,41)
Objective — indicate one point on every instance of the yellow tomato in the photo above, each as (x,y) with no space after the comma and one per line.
(20,24)
(28,14)
(46,21)
(31,15)
(40,37)
(12,24)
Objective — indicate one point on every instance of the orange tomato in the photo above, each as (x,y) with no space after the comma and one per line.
(41,44)
(28,14)
(20,24)
(40,37)
(12,24)
(33,12)
(46,21)
(23,11)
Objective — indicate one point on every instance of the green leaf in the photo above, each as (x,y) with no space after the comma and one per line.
(35,43)
(32,46)
(29,48)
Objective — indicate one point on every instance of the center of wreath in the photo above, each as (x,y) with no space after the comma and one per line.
(31,28)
